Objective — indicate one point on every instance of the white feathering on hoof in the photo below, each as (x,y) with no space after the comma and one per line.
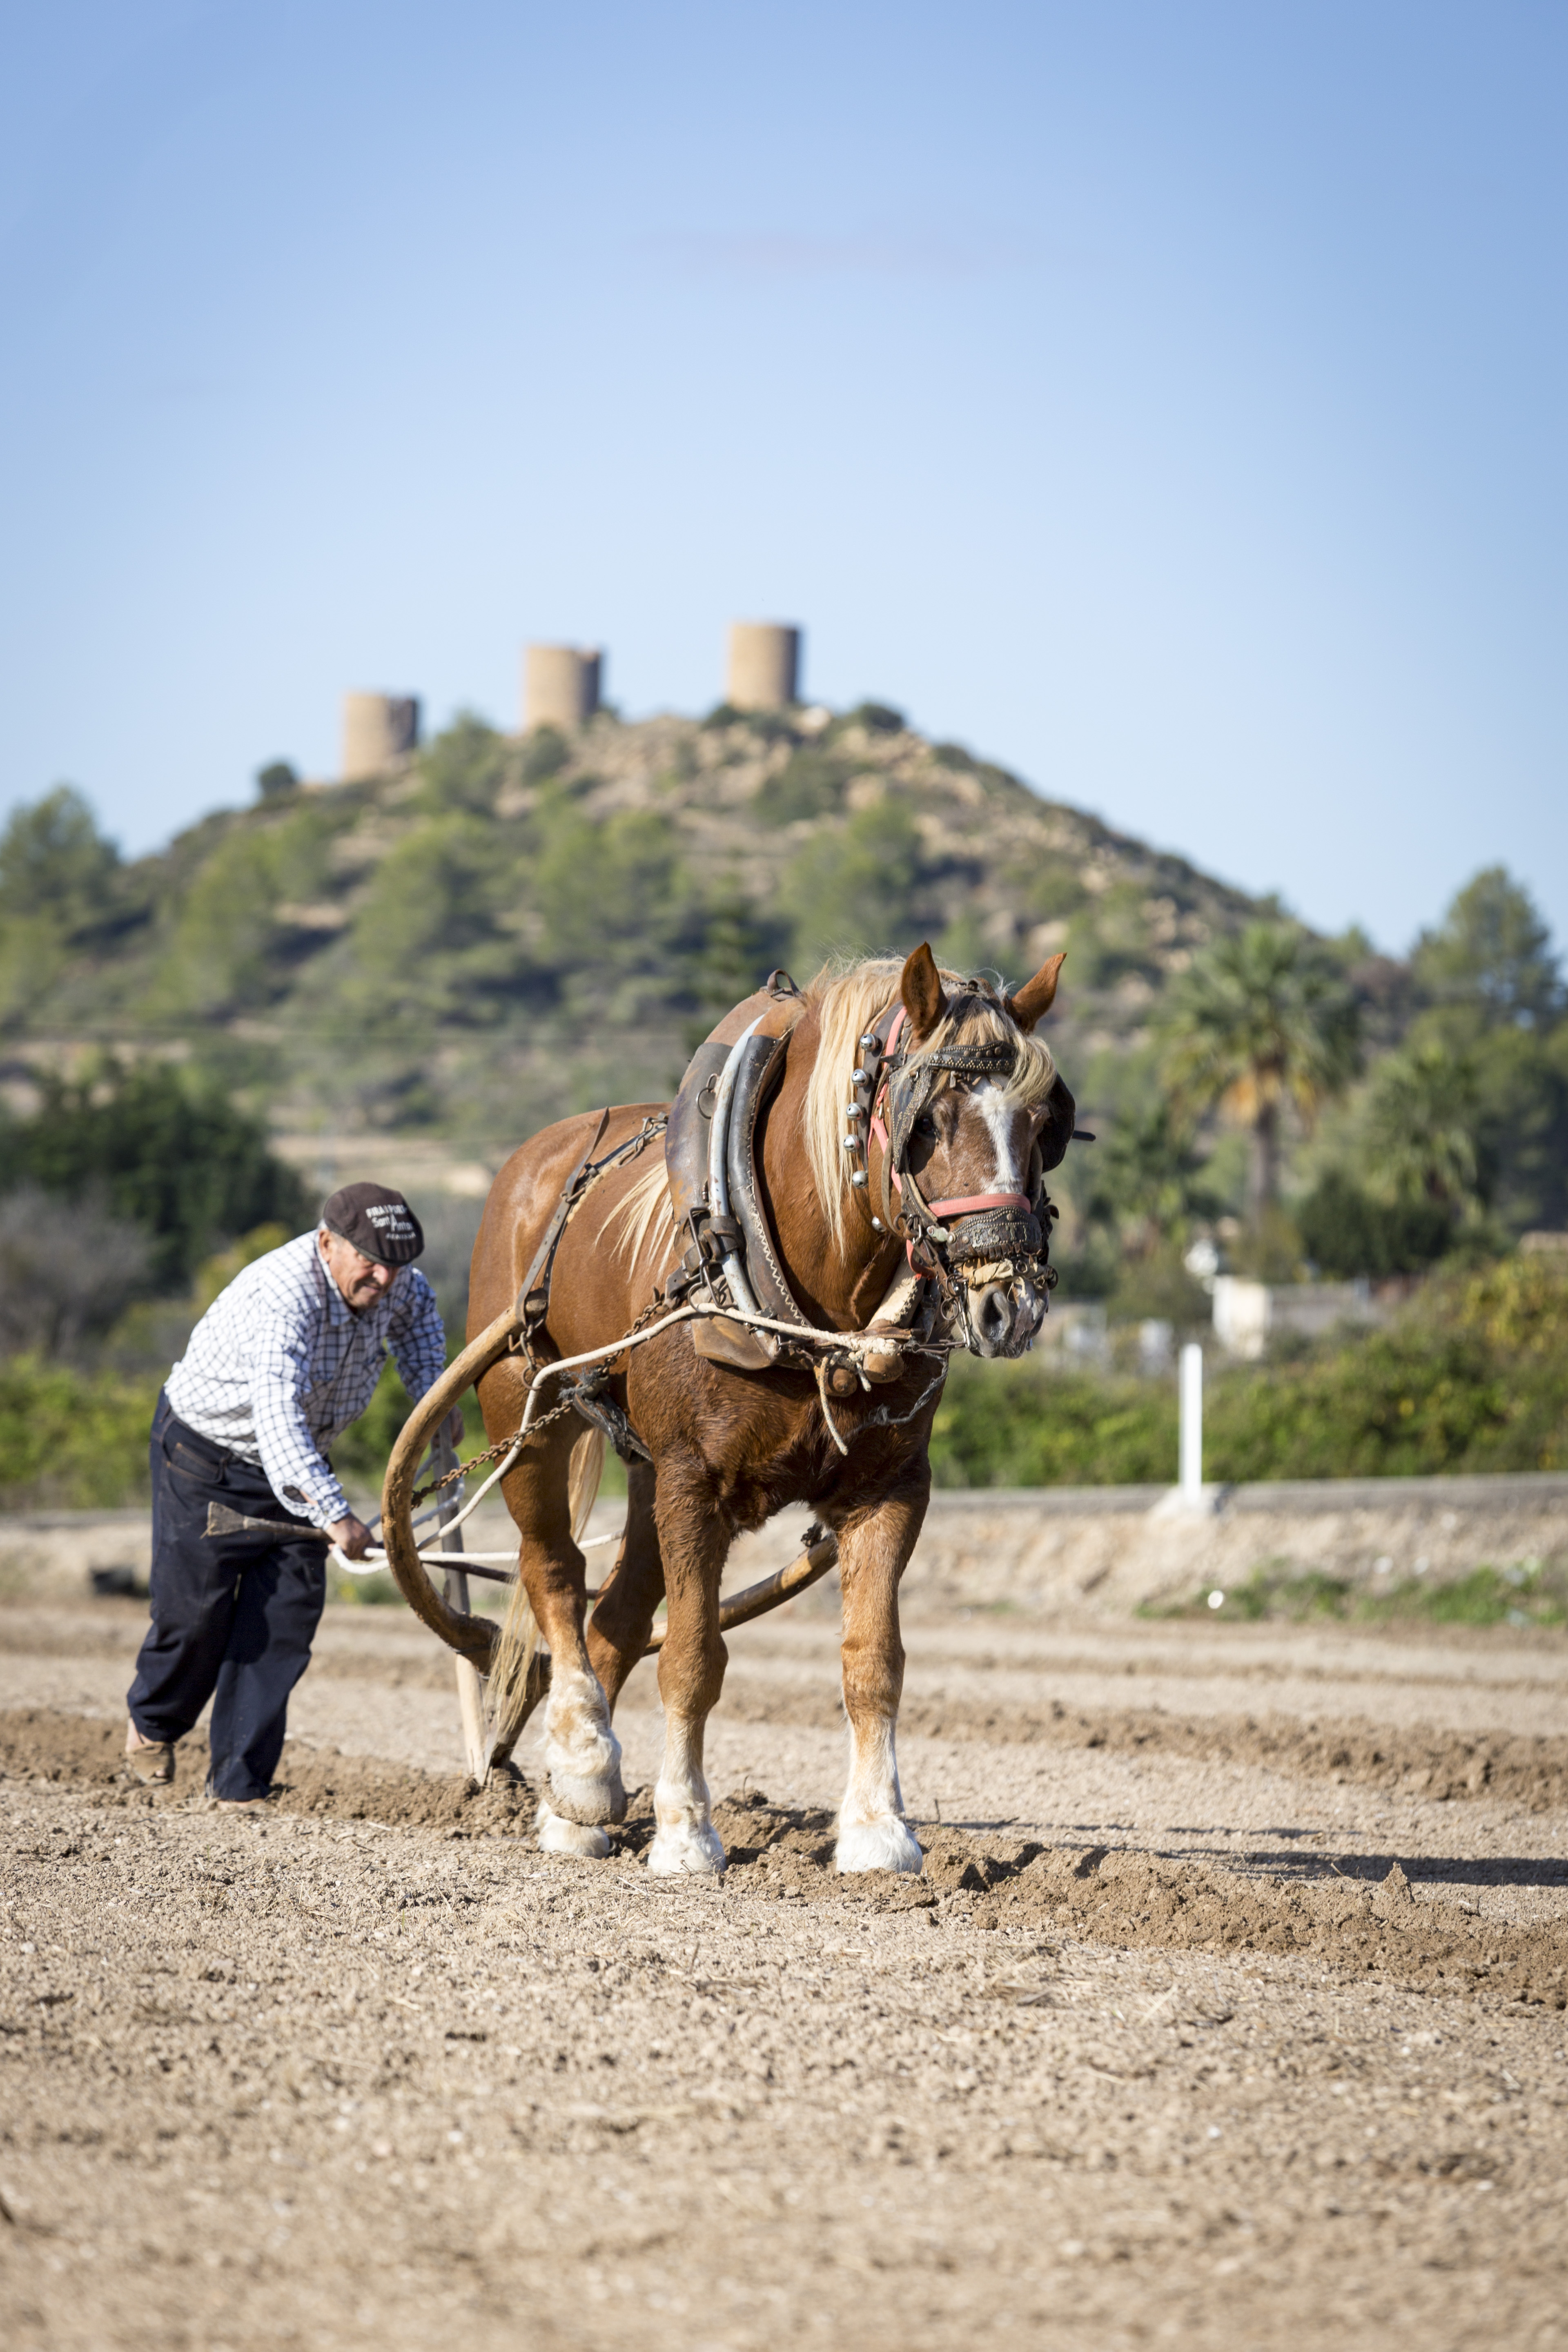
(687,1843)
(686,1849)
(558,1836)
(885,1844)
(582,1754)
(589,1800)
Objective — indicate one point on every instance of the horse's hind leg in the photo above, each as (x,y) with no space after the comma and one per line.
(622,1617)
(874,1546)
(583,1794)
(694,1543)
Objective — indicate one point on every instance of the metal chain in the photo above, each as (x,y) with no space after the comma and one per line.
(567,1404)
(491,1453)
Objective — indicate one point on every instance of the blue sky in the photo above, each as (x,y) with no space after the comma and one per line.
(1167,402)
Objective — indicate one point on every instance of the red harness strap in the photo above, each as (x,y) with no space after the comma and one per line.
(973,1201)
(877,1129)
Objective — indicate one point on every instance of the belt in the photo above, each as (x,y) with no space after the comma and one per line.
(208,1450)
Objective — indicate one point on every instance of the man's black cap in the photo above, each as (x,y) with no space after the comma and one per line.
(377,1220)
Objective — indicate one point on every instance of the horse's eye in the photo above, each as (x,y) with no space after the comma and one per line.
(925,1124)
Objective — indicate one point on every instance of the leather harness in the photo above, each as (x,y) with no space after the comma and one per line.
(731,1253)
(889,1089)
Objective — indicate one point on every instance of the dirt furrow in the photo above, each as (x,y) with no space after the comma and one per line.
(1122,1897)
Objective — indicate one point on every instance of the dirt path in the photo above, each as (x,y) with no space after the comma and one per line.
(1229,2013)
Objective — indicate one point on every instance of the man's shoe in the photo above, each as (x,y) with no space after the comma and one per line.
(239,1804)
(149,1760)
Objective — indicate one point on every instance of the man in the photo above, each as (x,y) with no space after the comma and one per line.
(278,1366)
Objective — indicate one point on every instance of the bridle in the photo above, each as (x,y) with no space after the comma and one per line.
(886,1098)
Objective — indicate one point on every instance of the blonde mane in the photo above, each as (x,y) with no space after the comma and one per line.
(846,999)
(643,1215)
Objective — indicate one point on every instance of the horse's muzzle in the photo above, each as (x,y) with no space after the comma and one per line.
(1003,1317)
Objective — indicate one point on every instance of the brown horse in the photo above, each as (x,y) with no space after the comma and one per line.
(979,1096)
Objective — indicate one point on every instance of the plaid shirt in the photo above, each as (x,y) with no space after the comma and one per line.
(278,1366)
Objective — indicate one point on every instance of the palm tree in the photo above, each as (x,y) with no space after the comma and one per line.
(1261,1020)
(1153,1174)
(1421,1133)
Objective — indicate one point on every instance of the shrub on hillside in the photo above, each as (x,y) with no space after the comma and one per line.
(1346,1232)
(68,1272)
(1039,1423)
(178,1160)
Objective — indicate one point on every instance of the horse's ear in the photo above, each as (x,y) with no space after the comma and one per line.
(925,999)
(1035,999)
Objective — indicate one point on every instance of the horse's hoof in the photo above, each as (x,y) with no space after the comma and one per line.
(686,1851)
(589,1801)
(884,1845)
(583,1770)
(559,1836)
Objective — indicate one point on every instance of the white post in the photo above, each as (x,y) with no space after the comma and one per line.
(1191,1446)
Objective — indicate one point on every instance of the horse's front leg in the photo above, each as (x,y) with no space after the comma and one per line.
(874,1547)
(694,1544)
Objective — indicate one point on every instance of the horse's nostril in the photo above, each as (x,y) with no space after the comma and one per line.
(993,1316)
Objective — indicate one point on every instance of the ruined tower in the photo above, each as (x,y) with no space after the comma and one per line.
(378,730)
(559,685)
(765,665)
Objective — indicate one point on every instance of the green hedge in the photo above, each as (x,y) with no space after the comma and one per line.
(71,1441)
(77,1441)
(1473,1376)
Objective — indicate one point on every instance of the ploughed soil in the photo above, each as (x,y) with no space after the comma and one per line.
(1229,2009)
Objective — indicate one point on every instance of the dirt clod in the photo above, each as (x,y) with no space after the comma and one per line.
(1135,1900)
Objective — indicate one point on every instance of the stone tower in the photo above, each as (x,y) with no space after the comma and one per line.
(559,685)
(765,665)
(378,730)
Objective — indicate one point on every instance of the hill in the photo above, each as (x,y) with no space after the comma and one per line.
(502,931)
(405,977)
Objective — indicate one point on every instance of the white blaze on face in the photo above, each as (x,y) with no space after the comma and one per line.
(1005,1125)
(1006,1320)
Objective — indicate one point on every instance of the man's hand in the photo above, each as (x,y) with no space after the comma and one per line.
(453,1425)
(352,1536)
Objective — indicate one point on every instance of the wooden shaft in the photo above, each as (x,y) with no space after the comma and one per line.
(758,1598)
(469,1636)
(470,1681)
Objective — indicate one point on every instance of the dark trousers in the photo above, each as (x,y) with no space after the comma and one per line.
(233,1616)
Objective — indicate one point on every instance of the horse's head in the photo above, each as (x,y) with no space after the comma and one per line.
(976,1113)
(933,1111)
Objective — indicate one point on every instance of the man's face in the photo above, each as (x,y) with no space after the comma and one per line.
(359,1280)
